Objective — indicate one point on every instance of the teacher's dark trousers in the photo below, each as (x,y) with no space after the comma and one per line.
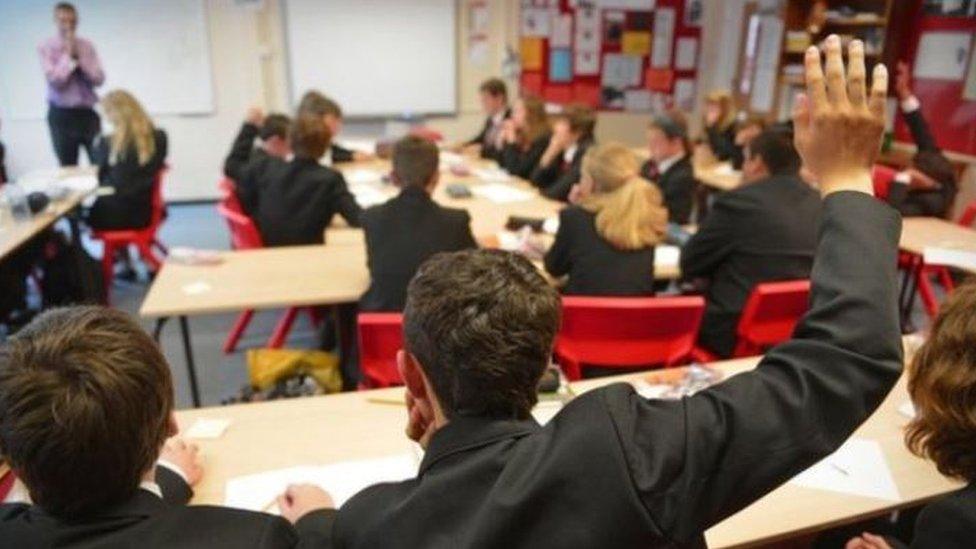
(71,129)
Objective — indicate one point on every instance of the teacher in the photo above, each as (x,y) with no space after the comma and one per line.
(73,71)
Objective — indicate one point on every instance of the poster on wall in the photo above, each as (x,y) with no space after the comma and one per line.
(479,18)
(942,55)
(663,38)
(969,90)
(694,12)
(588,30)
(535,22)
(686,53)
(562,31)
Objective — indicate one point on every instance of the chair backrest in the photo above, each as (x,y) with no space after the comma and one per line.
(969,215)
(228,195)
(882,176)
(628,331)
(770,314)
(244,233)
(380,337)
(158,204)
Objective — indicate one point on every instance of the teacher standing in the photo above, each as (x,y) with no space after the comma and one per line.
(73,71)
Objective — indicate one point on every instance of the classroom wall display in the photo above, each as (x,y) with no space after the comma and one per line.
(626,55)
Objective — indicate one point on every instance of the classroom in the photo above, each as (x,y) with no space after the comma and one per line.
(488,273)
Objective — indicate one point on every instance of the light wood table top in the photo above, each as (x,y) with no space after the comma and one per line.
(918,233)
(334,428)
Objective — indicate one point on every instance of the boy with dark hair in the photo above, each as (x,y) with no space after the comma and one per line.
(402,233)
(272,131)
(317,104)
(764,230)
(670,164)
(559,167)
(294,201)
(86,404)
(614,469)
(494,103)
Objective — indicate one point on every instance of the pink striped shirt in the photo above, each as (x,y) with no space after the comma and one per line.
(71,82)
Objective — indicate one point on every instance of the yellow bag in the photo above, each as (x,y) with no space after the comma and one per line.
(268,366)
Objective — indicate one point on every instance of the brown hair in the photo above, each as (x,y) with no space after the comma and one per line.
(674,124)
(275,125)
(536,120)
(85,402)
(628,209)
(481,323)
(495,87)
(65,6)
(581,119)
(415,161)
(314,102)
(310,137)
(942,385)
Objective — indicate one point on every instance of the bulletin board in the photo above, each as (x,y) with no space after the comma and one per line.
(941,49)
(623,55)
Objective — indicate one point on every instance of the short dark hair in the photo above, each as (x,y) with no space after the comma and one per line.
(415,161)
(310,137)
(65,6)
(581,119)
(495,87)
(275,125)
(481,323)
(85,401)
(314,102)
(674,125)
(775,148)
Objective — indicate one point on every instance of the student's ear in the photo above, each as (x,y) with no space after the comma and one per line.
(411,374)
(173,428)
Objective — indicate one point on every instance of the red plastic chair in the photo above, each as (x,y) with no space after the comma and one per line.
(882,176)
(626,332)
(143,239)
(380,337)
(770,314)
(228,195)
(244,235)
(968,216)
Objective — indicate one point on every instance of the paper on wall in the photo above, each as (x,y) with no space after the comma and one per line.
(686,53)
(343,480)
(663,38)
(560,65)
(767,60)
(637,100)
(535,22)
(587,63)
(621,71)
(562,31)
(587,30)
(630,5)
(636,43)
(942,55)
(684,94)
(858,468)
(531,50)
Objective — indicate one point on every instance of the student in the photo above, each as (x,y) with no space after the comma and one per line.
(494,103)
(525,137)
(744,133)
(63,379)
(763,231)
(942,385)
(670,164)
(317,104)
(129,161)
(605,242)
(928,187)
(272,133)
(294,201)
(559,167)
(613,469)
(720,116)
(402,233)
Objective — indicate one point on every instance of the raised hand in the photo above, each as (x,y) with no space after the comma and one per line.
(838,126)
(255,116)
(903,81)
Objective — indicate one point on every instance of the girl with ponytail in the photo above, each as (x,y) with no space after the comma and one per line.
(606,239)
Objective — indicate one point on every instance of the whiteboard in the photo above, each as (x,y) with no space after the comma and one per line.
(157,49)
(375,57)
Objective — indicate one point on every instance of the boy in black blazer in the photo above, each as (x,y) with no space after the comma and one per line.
(270,131)
(559,167)
(296,200)
(402,233)
(670,165)
(314,103)
(763,231)
(65,378)
(494,102)
(614,469)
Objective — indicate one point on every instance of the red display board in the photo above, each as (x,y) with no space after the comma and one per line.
(951,117)
(578,52)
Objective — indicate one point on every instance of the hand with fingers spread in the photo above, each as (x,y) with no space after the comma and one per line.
(838,125)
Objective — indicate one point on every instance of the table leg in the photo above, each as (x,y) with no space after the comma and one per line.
(158,328)
(190,365)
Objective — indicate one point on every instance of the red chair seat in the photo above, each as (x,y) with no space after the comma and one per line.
(770,315)
(380,337)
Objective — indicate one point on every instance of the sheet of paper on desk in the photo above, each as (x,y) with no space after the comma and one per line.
(367,195)
(666,255)
(363,175)
(207,428)
(449,158)
(342,480)
(951,257)
(858,468)
(491,174)
(501,194)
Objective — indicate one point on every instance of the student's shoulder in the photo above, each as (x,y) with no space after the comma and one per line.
(574,215)
(370,506)
(456,215)
(954,512)
(236,524)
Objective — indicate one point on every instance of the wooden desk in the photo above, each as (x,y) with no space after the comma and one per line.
(329,429)
(720,177)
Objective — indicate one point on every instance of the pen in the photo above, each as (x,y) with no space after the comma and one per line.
(839,468)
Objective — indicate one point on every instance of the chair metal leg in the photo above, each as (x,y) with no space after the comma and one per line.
(282,329)
(234,336)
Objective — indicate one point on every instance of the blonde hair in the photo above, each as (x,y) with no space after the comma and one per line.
(726,106)
(628,209)
(133,128)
